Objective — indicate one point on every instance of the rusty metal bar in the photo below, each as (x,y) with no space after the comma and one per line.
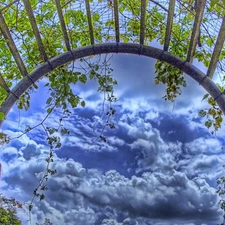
(169,24)
(35,29)
(12,47)
(116,17)
(62,23)
(91,33)
(199,10)
(142,25)
(217,50)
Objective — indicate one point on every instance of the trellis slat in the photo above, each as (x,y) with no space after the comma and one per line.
(62,23)
(116,17)
(217,50)
(11,44)
(35,29)
(169,24)
(91,33)
(199,10)
(142,23)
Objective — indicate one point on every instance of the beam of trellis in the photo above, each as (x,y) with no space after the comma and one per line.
(142,22)
(195,36)
(91,33)
(35,29)
(62,23)
(3,83)
(116,16)
(12,46)
(217,50)
(113,6)
(169,24)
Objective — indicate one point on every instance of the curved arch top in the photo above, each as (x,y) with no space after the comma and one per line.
(137,49)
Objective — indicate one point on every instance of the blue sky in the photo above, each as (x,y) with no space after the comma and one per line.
(158,166)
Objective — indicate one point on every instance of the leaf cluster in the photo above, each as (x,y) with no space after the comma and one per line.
(214,115)
(8,210)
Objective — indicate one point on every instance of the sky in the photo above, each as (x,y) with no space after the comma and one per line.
(158,166)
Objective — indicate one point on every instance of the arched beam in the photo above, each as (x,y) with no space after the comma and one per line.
(137,49)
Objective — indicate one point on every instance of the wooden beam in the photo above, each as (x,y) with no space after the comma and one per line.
(91,33)
(11,44)
(3,83)
(142,25)
(169,24)
(217,50)
(62,23)
(33,23)
(116,18)
(199,10)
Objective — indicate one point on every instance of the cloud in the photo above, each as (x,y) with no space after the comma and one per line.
(155,195)
(158,166)
(168,185)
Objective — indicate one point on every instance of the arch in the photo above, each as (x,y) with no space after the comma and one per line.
(156,53)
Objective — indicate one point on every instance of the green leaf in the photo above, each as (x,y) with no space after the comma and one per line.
(42,196)
(49,100)
(202,113)
(208,123)
(49,110)
(2,116)
(83,103)
(30,207)
(92,74)
(58,145)
(205,96)
(83,78)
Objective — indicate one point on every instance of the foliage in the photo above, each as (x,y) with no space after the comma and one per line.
(76,23)
(7,217)
(8,211)
(47,222)
(62,95)
(213,114)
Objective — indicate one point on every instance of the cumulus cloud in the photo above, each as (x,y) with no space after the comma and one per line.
(157,167)
(86,193)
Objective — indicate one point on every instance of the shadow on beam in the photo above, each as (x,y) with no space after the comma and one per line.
(137,49)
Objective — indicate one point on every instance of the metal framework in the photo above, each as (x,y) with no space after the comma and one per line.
(116,46)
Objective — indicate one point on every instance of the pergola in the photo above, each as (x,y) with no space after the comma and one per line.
(38,36)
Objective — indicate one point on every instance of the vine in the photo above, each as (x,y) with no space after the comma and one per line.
(62,97)
(61,94)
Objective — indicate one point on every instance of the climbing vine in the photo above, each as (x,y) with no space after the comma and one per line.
(62,95)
